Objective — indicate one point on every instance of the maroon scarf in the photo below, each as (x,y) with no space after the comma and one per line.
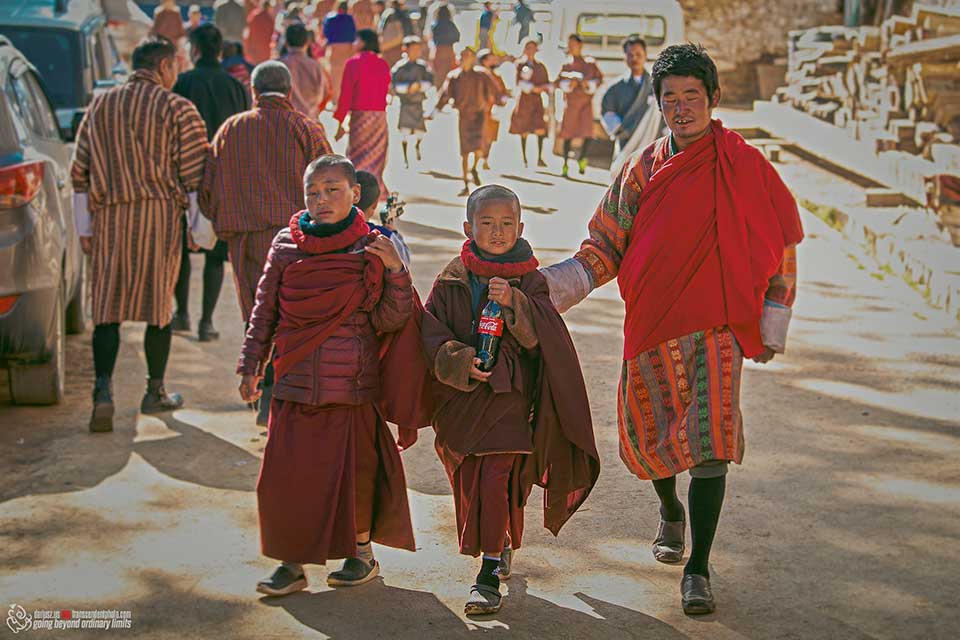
(517,262)
(336,242)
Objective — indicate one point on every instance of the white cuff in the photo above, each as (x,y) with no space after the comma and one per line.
(201,229)
(774,323)
(569,283)
(81,215)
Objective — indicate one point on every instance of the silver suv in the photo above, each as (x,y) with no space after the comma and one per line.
(40,260)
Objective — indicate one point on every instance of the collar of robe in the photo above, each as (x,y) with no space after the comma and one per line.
(313,237)
(274,101)
(517,262)
(145,75)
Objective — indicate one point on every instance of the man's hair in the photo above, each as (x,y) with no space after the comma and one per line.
(443,13)
(488,193)
(333,161)
(411,40)
(369,189)
(271,76)
(207,40)
(690,60)
(577,37)
(632,40)
(194,8)
(151,51)
(370,40)
(343,6)
(529,40)
(297,35)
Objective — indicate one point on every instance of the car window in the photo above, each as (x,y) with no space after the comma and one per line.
(46,118)
(101,70)
(29,108)
(16,112)
(56,55)
(609,30)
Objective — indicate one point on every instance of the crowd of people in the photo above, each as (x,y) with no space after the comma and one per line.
(208,147)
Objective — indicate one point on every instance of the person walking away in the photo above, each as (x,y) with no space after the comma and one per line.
(258,40)
(234,63)
(217,96)
(578,80)
(484,26)
(490,62)
(395,25)
(721,293)
(473,93)
(309,83)
(251,183)
(528,115)
(410,81)
(523,17)
(363,97)
(231,18)
(168,23)
(444,35)
(340,31)
(363,16)
(135,172)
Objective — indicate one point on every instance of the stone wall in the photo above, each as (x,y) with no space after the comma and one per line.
(740,33)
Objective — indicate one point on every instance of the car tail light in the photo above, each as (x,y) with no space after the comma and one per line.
(6,303)
(20,183)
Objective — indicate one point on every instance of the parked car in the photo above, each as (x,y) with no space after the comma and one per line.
(68,42)
(41,295)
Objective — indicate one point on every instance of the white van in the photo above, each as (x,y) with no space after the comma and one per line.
(604,25)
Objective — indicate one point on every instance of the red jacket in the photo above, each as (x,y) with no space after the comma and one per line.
(345,368)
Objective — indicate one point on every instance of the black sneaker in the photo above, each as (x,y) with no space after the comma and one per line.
(354,572)
(206,332)
(101,421)
(157,400)
(180,322)
(283,582)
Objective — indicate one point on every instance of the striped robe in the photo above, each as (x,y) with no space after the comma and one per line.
(140,151)
(253,183)
(678,402)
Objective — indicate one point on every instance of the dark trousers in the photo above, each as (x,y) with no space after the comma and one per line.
(212,279)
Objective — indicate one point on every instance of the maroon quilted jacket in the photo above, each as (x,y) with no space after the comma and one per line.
(345,368)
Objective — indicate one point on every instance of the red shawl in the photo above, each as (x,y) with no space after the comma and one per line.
(710,231)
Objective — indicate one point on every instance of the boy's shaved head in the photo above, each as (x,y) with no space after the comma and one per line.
(332,161)
(488,193)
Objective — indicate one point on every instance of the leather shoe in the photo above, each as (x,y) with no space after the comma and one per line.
(696,595)
(669,544)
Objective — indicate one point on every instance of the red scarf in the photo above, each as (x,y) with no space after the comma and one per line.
(711,228)
(357,230)
(483,267)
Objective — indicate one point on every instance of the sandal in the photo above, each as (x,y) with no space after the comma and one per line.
(483,600)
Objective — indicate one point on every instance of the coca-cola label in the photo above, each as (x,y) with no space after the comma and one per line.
(491,326)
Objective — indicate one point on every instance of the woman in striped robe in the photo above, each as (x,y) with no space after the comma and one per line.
(138,163)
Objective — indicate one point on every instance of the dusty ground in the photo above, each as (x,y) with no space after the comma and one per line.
(842,523)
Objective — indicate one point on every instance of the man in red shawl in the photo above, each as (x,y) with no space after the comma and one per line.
(525,421)
(700,232)
(337,302)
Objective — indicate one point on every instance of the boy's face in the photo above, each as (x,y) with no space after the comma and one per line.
(496,226)
(413,51)
(575,47)
(468,59)
(329,196)
(530,50)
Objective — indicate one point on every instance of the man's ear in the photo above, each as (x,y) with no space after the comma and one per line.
(468,229)
(715,101)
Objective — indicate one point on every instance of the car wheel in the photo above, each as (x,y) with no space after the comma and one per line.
(75,322)
(43,383)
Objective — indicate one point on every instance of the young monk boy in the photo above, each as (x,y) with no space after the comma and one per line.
(524,422)
(410,80)
(369,204)
(331,479)
(473,94)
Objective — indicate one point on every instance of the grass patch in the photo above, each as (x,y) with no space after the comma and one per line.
(828,214)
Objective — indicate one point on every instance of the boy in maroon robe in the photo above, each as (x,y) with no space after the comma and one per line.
(338,304)
(527,420)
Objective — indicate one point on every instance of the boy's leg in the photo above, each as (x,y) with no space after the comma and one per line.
(523,149)
(540,139)
(406,159)
(418,138)
(477,156)
(494,496)
(584,150)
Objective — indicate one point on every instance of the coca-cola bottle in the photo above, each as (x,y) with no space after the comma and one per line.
(489,331)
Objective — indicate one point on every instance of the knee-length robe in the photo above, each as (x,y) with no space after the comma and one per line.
(405,73)
(473,93)
(529,115)
(140,152)
(726,214)
(578,110)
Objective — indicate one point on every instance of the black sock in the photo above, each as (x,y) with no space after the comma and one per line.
(181,292)
(212,283)
(523,148)
(585,148)
(486,575)
(106,347)
(540,140)
(705,500)
(671,509)
(567,145)
(156,346)
(403,145)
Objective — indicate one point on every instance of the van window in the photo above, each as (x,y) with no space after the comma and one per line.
(46,118)
(16,112)
(609,30)
(55,54)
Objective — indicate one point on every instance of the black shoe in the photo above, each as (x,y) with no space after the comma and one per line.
(101,421)
(157,400)
(696,595)
(283,582)
(354,572)
(180,322)
(263,409)
(206,332)
(669,544)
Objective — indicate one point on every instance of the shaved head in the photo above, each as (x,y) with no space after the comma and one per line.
(489,193)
